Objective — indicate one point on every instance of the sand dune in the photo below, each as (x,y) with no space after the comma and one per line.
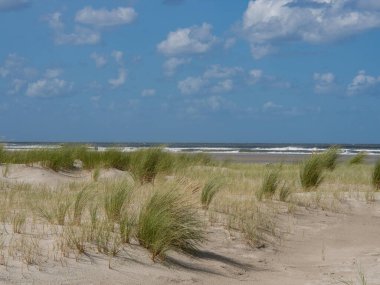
(314,247)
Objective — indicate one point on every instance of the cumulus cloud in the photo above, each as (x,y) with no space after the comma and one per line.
(363,83)
(270,106)
(51,85)
(10,5)
(273,108)
(104,17)
(118,56)
(255,75)
(191,85)
(267,23)
(15,66)
(215,79)
(223,86)
(80,35)
(171,65)
(218,71)
(120,80)
(99,60)
(148,92)
(192,40)
(324,82)
(48,87)
(53,73)
(16,86)
(229,43)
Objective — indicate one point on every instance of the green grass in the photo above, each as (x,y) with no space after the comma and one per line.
(147,163)
(269,185)
(358,158)
(80,203)
(376,176)
(115,198)
(209,190)
(311,172)
(329,158)
(169,222)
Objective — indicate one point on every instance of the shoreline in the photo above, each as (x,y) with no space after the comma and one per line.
(278,158)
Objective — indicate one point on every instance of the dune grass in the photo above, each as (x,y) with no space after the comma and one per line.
(329,158)
(358,158)
(376,176)
(269,184)
(209,190)
(115,198)
(104,215)
(169,222)
(311,172)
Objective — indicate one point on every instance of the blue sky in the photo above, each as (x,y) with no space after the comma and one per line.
(190,70)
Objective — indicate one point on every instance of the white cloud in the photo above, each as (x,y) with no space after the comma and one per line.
(255,76)
(53,73)
(270,106)
(362,83)
(273,108)
(15,66)
(80,35)
(215,79)
(48,87)
(324,82)
(118,56)
(120,80)
(229,43)
(99,60)
(170,66)
(8,5)
(16,86)
(218,71)
(269,22)
(191,85)
(148,92)
(192,40)
(223,86)
(104,17)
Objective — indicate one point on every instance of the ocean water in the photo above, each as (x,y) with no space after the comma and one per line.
(264,148)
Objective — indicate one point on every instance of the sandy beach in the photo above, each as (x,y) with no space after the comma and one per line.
(278,158)
(326,240)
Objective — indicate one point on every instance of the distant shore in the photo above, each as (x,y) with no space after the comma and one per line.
(278,158)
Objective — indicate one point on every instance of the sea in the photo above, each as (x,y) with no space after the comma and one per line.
(217,148)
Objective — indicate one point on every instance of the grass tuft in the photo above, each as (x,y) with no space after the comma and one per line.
(80,203)
(376,176)
(311,172)
(209,190)
(329,158)
(358,158)
(269,185)
(115,198)
(169,222)
(147,163)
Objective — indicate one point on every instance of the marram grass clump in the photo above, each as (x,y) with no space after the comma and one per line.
(169,222)
(147,163)
(376,176)
(209,190)
(358,158)
(269,185)
(311,172)
(115,198)
(329,158)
